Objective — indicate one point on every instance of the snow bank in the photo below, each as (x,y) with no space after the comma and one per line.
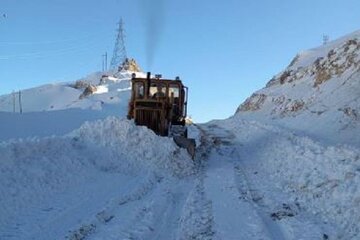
(324,180)
(141,147)
(33,170)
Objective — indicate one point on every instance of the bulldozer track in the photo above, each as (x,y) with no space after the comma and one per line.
(221,141)
(108,213)
(275,217)
(197,219)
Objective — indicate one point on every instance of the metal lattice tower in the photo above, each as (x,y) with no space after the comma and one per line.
(326,39)
(119,54)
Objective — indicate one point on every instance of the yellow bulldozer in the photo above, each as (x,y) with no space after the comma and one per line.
(161,105)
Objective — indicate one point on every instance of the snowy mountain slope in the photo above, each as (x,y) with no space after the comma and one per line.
(317,94)
(44,106)
(50,97)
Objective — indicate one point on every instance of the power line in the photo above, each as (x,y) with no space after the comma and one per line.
(63,40)
(20,103)
(51,53)
(104,62)
(119,53)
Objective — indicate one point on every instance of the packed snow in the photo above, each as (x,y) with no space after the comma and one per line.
(317,178)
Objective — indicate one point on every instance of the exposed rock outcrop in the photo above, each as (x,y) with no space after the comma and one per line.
(320,89)
(253,103)
(129,65)
(88,91)
(337,61)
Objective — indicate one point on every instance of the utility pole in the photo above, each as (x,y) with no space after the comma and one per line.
(119,53)
(104,61)
(14,100)
(20,104)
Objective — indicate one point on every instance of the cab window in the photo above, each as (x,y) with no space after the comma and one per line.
(174,90)
(157,90)
(139,90)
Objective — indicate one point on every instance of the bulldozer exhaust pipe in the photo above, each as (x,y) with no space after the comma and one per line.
(148,80)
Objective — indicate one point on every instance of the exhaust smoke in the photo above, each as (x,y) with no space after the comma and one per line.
(153,14)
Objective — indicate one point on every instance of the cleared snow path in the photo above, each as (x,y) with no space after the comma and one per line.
(301,188)
(243,208)
(233,216)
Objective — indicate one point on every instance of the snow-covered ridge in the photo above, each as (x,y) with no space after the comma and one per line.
(106,88)
(342,57)
(320,87)
(308,57)
(56,109)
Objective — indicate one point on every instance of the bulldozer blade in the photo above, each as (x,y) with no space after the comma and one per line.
(188,143)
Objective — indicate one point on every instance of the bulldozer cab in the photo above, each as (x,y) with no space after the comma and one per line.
(158,103)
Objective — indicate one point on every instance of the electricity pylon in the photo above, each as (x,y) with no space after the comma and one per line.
(119,53)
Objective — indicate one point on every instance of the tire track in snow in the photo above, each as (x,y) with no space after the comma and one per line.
(108,213)
(155,218)
(234,199)
(284,215)
(255,199)
(142,225)
(196,221)
(284,218)
(171,212)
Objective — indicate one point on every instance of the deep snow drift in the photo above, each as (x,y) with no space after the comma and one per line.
(38,174)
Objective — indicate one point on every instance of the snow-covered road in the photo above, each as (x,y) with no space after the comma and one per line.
(238,203)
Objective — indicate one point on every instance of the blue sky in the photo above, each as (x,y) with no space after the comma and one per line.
(223,50)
